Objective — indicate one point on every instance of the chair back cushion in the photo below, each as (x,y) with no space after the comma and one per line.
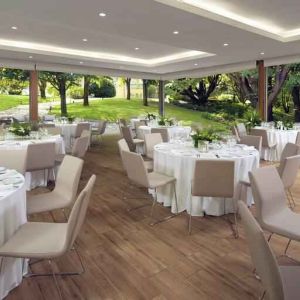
(290,170)
(241,129)
(151,140)
(213,178)
(289,149)
(40,156)
(14,159)
(80,146)
(80,127)
(263,133)
(128,136)
(262,256)
(252,140)
(164,133)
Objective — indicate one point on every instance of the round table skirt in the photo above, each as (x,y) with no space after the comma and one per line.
(12,216)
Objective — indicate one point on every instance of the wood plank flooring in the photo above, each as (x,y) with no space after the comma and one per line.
(125,258)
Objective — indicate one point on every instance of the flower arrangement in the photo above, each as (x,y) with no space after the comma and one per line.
(203,135)
(71,119)
(252,119)
(150,116)
(163,121)
(20,129)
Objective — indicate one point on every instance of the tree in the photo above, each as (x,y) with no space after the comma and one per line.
(61,82)
(146,84)
(86,89)
(42,87)
(13,81)
(128,87)
(103,88)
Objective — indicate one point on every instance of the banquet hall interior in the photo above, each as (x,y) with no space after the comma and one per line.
(149,206)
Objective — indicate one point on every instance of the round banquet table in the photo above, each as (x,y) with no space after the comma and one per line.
(281,138)
(12,216)
(178,160)
(175,132)
(36,178)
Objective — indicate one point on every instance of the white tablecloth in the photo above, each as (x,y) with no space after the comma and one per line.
(12,216)
(281,138)
(178,160)
(36,178)
(67,130)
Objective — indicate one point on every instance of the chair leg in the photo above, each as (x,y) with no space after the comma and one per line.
(190,217)
(287,247)
(55,280)
(292,197)
(175,194)
(153,204)
(262,296)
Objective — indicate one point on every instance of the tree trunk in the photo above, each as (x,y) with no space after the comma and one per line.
(86,90)
(128,81)
(42,86)
(296,100)
(145,92)
(63,98)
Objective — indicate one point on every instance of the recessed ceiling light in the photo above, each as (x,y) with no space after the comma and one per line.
(81,62)
(262,53)
(137,48)
(30,57)
(102,14)
(195,64)
(225,44)
(84,40)
(14,28)
(176,32)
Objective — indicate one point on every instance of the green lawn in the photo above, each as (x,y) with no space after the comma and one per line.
(113,109)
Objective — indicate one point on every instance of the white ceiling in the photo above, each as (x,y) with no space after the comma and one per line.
(52,33)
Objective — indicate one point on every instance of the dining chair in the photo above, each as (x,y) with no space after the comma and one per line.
(252,140)
(79,128)
(41,156)
(137,173)
(121,123)
(128,136)
(98,131)
(266,144)
(53,130)
(87,133)
(151,140)
(139,123)
(298,138)
(123,146)
(288,174)
(49,241)
(214,178)
(279,282)
(272,211)
(64,193)
(164,133)
(241,129)
(79,149)
(14,159)
(48,118)
(290,149)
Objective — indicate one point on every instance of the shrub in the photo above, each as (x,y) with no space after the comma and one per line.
(152,91)
(76,92)
(105,89)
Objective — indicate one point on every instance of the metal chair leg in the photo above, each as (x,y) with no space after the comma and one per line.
(55,280)
(175,194)
(190,218)
(292,197)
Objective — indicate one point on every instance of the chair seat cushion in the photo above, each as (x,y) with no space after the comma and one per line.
(138,141)
(158,179)
(290,279)
(285,223)
(45,202)
(37,240)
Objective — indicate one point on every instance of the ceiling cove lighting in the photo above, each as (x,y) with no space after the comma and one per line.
(100,56)
(220,13)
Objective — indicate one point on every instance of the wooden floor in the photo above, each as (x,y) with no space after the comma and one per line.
(125,258)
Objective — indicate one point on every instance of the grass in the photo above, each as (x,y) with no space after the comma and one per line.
(113,109)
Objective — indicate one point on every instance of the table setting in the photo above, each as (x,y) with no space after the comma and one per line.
(12,216)
(177,159)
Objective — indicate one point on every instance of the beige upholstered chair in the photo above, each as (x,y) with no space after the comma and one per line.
(122,123)
(137,173)
(124,147)
(87,133)
(139,123)
(164,133)
(14,159)
(214,178)
(128,136)
(151,140)
(288,174)
(54,130)
(279,282)
(47,241)
(273,214)
(64,193)
(98,131)
(41,156)
(79,129)
(241,129)
(265,141)
(251,140)
(289,149)
(298,138)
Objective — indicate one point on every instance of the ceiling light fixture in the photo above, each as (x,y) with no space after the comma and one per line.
(81,62)
(195,64)
(30,57)
(102,14)
(175,32)
(137,48)
(45,49)
(84,40)
(225,44)
(262,53)
(14,28)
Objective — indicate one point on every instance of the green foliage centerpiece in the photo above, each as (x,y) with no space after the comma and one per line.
(164,121)
(252,119)
(21,130)
(204,135)
(150,116)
